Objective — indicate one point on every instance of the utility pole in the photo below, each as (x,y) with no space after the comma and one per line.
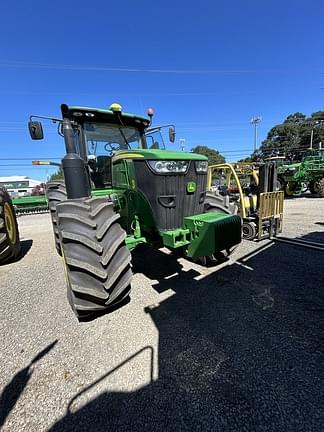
(182,142)
(255,121)
(311,140)
(315,124)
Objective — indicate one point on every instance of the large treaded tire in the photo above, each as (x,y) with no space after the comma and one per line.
(96,259)
(290,188)
(313,187)
(280,184)
(56,193)
(320,188)
(215,203)
(9,235)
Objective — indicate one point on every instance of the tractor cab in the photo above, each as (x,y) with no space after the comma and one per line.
(104,137)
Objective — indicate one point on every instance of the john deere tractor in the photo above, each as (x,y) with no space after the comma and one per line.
(9,234)
(121,189)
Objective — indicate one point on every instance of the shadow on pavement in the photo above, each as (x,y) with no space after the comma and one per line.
(25,247)
(240,350)
(13,390)
(315,236)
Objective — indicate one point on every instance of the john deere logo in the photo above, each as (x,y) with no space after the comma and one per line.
(191,187)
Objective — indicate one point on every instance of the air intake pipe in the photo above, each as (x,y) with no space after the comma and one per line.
(75,172)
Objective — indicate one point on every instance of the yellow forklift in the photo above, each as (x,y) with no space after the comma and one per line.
(249,191)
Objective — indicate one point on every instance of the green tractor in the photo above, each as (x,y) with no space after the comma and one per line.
(122,189)
(296,178)
(9,234)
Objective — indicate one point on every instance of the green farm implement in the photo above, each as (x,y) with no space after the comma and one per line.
(121,189)
(296,178)
(30,204)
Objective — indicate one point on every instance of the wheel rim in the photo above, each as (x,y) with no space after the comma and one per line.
(10,223)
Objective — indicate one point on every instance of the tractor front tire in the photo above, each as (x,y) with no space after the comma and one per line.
(9,234)
(56,193)
(96,259)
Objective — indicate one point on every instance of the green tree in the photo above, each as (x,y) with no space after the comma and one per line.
(292,136)
(58,175)
(214,157)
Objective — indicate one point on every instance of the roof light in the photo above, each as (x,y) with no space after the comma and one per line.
(150,112)
(115,107)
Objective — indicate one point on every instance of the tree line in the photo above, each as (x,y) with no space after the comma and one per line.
(291,137)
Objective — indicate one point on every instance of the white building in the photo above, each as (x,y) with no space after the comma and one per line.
(19,185)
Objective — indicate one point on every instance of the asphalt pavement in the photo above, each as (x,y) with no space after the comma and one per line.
(238,347)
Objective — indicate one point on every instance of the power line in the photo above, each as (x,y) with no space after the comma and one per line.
(73,67)
(31,158)
(18,165)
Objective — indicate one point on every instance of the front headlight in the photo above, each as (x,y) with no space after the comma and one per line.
(166,166)
(201,166)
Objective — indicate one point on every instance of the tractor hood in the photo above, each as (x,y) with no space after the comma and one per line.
(157,155)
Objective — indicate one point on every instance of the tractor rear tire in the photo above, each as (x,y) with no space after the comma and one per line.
(313,187)
(320,187)
(56,193)
(96,259)
(215,203)
(280,184)
(290,188)
(9,235)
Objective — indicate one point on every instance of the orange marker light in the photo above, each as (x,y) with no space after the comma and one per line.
(40,162)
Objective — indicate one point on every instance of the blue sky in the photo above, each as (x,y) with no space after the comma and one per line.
(206,66)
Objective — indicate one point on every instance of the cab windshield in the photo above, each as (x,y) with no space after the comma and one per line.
(102,139)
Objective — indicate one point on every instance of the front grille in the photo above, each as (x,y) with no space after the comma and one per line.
(168,196)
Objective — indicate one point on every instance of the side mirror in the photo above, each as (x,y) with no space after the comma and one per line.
(35,130)
(172,134)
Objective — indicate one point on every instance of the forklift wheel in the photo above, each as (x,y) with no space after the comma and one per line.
(249,230)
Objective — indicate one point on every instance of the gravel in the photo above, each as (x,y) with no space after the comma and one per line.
(238,347)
